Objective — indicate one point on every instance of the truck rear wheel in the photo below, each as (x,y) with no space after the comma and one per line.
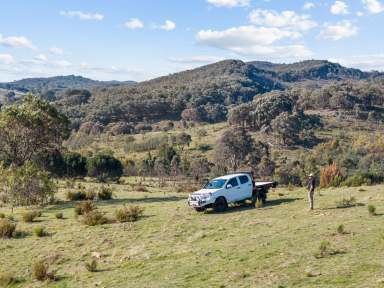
(220,205)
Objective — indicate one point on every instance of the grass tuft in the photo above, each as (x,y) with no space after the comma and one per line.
(91,266)
(128,213)
(7,228)
(371,210)
(39,231)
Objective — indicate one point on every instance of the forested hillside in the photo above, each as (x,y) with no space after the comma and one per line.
(208,93)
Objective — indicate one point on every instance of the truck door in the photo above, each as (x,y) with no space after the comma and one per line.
(246,188)
(232,189)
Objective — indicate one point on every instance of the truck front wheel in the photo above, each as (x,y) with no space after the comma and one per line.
(220,205)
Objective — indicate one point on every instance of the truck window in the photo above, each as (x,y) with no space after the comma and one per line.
(233,182)
(243,179)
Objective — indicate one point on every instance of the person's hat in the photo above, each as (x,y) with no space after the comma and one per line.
(310,175)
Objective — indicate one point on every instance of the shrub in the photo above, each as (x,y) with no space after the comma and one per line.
(84,208)
(91,266)
(2,215)
(340,229)
(39,231)
(40,271)
(346,202)
(105,193)
(372,210)
(104,167)
(30,216)
(330,176)
(94,218)
(360,179)
(75,164)
(324,248)
(59,215)
(7,228)
(75,196)
(128,213)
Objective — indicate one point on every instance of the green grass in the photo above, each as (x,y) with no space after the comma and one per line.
(174,246)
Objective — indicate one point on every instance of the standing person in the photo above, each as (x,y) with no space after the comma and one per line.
(311,189)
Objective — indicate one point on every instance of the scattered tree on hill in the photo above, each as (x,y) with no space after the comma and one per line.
(104,167)
(233,148)
(26,185)
(29,129)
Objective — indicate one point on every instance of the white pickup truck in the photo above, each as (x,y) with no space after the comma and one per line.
(232,188)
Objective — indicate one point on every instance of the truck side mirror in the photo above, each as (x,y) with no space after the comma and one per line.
(229,186)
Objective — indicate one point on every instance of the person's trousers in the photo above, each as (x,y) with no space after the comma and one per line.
(310,198)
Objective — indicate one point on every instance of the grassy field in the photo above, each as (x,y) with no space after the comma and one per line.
(173,246)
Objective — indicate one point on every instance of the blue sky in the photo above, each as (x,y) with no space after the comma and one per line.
(142,39)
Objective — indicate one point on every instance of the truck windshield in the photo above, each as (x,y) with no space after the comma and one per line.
(215,184)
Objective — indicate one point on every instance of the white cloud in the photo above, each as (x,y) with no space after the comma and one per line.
(82,15)
(229,3)
(56,51)
(134,23)
(168,25)
(254,41)
(16,41)
(196,59)
(364,62)
(338,31)
(6,59)
(339,8)
(285,19)
(309,5)
(41,57)
(374,6)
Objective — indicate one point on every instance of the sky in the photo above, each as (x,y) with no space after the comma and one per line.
(142,39)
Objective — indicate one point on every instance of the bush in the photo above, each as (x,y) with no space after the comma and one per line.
(91,266)
(105,193)
(40,271)
(360,179)
(7,228)
(75,196)
(30,216)
(75,164)
(372,210)
(330,176)
(128,214)
(84,208)
(340,229)
(2,215)
(94,218)
(104,167)
(39,231)
(59,215)
(346,202)
(324,248)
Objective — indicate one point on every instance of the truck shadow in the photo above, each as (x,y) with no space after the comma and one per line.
(269,204)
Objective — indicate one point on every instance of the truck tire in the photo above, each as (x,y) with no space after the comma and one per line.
(254,199)
(220,205)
